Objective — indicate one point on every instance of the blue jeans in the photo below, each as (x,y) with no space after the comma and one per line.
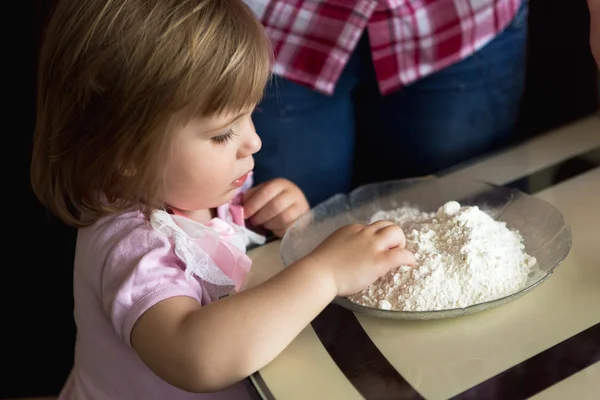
(330,144)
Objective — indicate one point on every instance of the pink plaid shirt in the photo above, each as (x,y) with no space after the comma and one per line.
(409,39)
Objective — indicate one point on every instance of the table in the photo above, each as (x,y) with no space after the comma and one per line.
(543,346)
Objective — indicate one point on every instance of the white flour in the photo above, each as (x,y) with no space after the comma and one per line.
(464,257)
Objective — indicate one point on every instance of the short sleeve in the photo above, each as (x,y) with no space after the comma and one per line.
(141,270)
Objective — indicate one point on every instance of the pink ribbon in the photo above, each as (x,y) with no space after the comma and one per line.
(230,259)
(234,262)
(235,209)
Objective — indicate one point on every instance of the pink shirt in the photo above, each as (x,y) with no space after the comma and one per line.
(124,265)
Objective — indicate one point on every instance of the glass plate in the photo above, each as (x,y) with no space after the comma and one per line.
(545,233)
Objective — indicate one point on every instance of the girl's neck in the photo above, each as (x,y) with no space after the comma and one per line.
(202,216)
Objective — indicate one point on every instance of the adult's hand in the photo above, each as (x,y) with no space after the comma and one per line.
(594,7)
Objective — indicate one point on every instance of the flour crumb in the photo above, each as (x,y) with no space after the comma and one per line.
(464,257)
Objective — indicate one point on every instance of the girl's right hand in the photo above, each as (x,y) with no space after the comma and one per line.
(197,347)
(358,255)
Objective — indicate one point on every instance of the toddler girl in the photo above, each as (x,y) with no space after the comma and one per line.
(144,142)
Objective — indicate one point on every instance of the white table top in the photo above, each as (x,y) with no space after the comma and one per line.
(503,353)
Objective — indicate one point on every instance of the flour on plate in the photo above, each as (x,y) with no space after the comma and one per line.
(464,257)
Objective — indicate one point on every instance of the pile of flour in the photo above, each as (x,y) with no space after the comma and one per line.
(464,257)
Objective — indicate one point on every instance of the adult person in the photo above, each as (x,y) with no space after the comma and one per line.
(368,90)
(594,7)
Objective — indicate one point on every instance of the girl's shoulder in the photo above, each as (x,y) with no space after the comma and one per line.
(130,228)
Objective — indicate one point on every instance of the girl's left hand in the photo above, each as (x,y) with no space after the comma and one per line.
(275,205)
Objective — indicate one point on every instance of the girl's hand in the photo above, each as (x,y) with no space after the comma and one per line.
(197,348)
(275,205)
(358,255)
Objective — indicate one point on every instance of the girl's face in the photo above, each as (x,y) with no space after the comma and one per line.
(209,160)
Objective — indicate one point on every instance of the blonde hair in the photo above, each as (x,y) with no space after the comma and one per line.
(112,75)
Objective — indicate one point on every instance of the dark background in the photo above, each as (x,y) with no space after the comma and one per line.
(38,330)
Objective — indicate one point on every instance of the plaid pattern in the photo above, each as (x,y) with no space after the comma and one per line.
(410,39)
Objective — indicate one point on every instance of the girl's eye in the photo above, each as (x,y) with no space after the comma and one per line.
(224,138)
